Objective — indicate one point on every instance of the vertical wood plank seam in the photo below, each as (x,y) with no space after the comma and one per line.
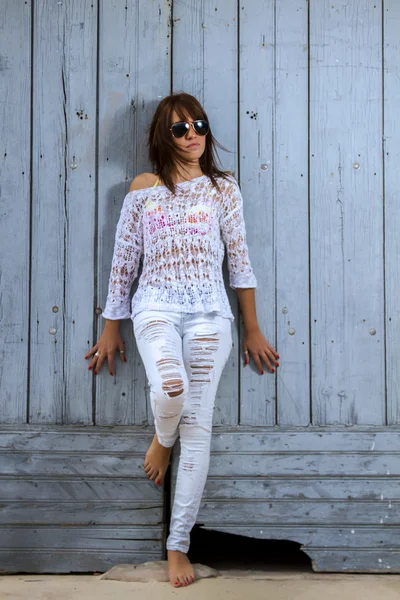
(171,49)
(203,54)
(385,375)
(135,161)
(135,129)
(274,205)
(240,328)
(96,206)
(309,208)
(63,411)
(29,336)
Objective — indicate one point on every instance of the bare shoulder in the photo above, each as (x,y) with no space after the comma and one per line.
(144,180)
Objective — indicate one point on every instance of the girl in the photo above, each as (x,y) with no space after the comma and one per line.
(179,219)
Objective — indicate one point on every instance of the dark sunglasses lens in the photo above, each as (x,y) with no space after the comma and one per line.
(179,129)
(201,127)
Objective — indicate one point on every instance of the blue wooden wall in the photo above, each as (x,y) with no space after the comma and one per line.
(305,95)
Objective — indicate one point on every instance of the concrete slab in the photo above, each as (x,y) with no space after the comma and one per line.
(234,584)
(155,570)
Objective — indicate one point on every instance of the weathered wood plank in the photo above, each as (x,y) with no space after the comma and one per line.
(230,440)
(113,538)
(229,465)
(15,130)
(63,170)
(355,560)
(82,513)
(391,74)
(44,561)
(265,487)
(134,75)
(315,439)
(50,172)
(286,465)
(67,463)
(204,30)
(291,222)
(319,512)
(347,277)
(256,108)
(346,536)
(70,488)
(318,439)
(80,79)
(135,440)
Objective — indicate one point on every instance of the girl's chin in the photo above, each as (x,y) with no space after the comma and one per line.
(192,155)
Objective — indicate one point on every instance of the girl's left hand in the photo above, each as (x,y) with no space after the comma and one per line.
(257,346)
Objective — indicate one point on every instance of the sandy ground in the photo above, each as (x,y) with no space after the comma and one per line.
(233,584)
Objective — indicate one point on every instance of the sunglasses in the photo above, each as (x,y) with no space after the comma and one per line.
(180,129)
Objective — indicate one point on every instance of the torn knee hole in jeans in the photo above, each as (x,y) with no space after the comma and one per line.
(190,419)
(201,363)
(188,465)
(172,380)
(201,354)
(153,330)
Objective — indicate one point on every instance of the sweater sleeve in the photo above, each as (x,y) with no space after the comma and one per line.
(128,249)
(233,232)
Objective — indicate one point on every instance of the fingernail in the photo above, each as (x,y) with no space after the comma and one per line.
(95,372)
(262,372)
(273,370)
(124,359)
(90,368)
(111,373)
(277,364)
(158,482)
(278,356)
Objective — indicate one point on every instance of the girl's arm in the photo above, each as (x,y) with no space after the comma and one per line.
(242,278)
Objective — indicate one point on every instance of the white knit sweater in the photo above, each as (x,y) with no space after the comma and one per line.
(181,238)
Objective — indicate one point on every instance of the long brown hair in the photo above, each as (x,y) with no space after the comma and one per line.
(163,153)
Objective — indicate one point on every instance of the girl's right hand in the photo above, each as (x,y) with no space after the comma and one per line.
(108,343)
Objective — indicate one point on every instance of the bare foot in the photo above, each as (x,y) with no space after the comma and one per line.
(181,572)
(157,460)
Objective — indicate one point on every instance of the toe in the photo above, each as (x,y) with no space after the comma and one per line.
(154,475)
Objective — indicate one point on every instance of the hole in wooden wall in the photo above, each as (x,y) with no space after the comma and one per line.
(228,551)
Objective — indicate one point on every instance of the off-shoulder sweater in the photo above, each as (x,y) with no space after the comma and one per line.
(181,239)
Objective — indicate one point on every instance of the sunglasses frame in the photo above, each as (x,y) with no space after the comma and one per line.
(190,123)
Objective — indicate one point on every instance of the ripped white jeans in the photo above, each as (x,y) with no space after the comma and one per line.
(184,355)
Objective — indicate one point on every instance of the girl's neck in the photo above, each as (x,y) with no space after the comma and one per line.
(185,173)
